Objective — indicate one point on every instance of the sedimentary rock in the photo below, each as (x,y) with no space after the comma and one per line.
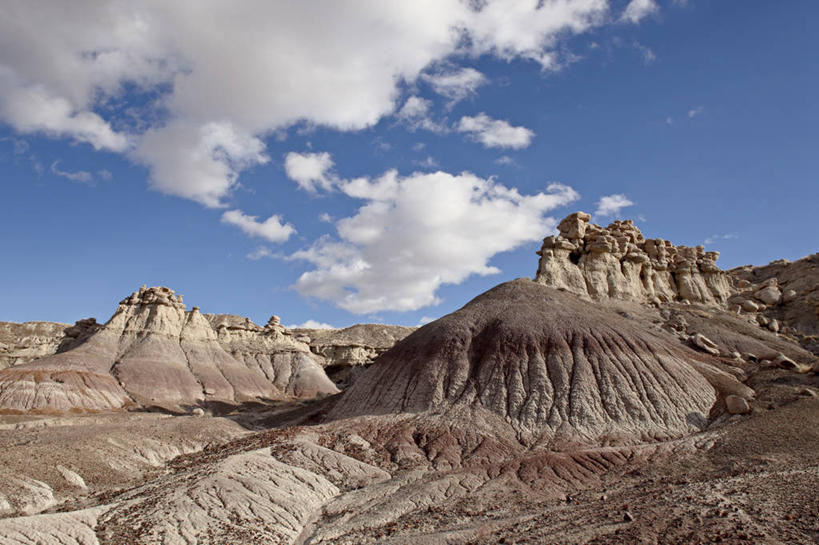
(549,364)
(787,292)
(152,351)
(618,262)
(22,343)
(344,353)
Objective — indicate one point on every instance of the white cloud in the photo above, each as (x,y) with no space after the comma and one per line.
(610,205)
(429,162)
(311,324)
(646,52)
(714,238)
(505,160)
(416,114)
(309,170)
(105,174)
(694,112)
(260,253)
(530,29)
(81,176)
(325,217)
(669,120)
(418,146)
(31,108)
(415,233)
(425,320)
(271,229)
(495,133)
(455,83)
(198,162)
(226,74)
(636,10)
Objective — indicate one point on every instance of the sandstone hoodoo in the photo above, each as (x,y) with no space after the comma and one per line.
(554,367)
(154,352)
(618,262)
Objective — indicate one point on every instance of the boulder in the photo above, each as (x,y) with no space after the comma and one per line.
(769,295)
(737,405)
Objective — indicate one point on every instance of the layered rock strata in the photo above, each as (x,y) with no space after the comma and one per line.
(154,352)
(617,262)
(344,353)
(556,368)
(22,343)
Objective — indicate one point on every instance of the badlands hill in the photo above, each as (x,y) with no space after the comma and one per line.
(631,393)
(154,352)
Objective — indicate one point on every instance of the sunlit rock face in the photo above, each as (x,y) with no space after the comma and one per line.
(617,262)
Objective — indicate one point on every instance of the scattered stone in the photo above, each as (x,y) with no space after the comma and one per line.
(198,411)
(784,362)
(704,343)
(737,405)
(749,306)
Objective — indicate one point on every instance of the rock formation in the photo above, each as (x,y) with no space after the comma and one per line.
(617,262)
(345,352)
(153,352)
(554,367)
(782,297)
(530,415)
(22,343)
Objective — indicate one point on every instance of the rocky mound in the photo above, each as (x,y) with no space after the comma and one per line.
(153,352)
(618,262)
(548,364)
(782,297)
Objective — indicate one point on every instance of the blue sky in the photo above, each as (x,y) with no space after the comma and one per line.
(406,167)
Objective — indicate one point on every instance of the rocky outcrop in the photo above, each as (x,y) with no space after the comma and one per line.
(22,343)
(344,352)
(617,262)
(782,297)
(273,351)
(154,352)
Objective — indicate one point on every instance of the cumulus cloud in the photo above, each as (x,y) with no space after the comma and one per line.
(495,133)
(414,233)
(78,176)
(198,162)
(271,229)
(311,324)
(416,114)
(226,74)
(455,83)
(610,205)
(637,10)
(309,170)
